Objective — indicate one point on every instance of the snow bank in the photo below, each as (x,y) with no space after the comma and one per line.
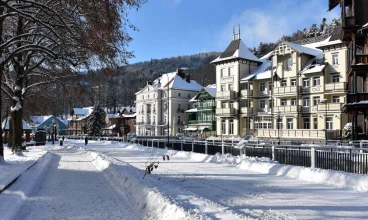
(334,178)
(127,180)
(13,198)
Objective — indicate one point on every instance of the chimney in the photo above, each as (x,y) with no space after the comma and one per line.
(181,73)
(187,78)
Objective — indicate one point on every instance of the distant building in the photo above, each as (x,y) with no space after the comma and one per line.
(78,121)
(168,95)
(202,115)
(47,122)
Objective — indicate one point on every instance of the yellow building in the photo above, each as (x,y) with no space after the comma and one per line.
(301,97)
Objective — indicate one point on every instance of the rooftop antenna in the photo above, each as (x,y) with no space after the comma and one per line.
(239,33)
(233,33)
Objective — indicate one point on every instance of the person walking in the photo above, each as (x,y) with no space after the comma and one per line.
(86,140)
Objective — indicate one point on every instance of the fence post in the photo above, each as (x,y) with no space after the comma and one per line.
(193,146)
(273,153)
(313,158)
(205,147)
(223,147)
(181,146)
(361,147)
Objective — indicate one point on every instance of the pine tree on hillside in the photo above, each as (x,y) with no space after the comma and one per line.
(96,121)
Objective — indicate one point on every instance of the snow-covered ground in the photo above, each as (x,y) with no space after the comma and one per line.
(105,180)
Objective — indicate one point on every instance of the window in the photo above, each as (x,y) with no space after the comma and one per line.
(270,103)
(231,127)
(279,123)
(188,96)
(244,86)
(316,100)
(231,104)
(315,124)
(188,106)
(289,123)
(231,71)
(335,78)
(262,104)
(335,59)
(231,87)
(223,88)
(178,119)
(283,102)
(178,107)
(293,82)
(306,123)
(335,99)
(288,64)
(269,86)
(244,103)
(306,102)
(222,72)
(223,127)
(262,87)
(179,94)
(223,105)
(305,82)
(293,101)
(329,123)
(316,81)
(283,83)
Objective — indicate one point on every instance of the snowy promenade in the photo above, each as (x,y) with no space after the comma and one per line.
(105,182)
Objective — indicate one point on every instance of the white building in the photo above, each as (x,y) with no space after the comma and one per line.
(171,89)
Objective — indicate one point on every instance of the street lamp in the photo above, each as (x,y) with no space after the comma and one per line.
(324,101)
(167,107)
(278,127)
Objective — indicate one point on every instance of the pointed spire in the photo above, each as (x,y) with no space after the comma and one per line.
(239,32)
(233,33)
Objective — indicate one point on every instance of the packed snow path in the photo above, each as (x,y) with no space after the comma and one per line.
(246,193)
(72,189)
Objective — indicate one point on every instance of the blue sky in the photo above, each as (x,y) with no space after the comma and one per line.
(182,27)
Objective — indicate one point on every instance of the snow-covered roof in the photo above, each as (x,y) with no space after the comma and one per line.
(313,66)
(112,115)
(306,50)
(40,119)
(128,108)
(261,72)
(175,81)
(236,49)
(83,111)
(192,110)
(211,91)
(130,115)
(6,127)
(211,86)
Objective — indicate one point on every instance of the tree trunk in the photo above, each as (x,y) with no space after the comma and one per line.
(17,129)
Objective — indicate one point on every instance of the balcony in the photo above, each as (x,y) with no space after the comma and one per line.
(226,79)
(335,87)
(291,133)
(264,110)
(330,107)
(264,93)
(226,111)
(246,110)
(226,95)
(204,108)
(246,93)
(285,90)
(361,59)
(357,97)
(313,89)
(289,108)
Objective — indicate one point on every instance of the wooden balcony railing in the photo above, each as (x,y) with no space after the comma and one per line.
(356,97)
(246,93)
(292,108)
(361,59)
(330,107)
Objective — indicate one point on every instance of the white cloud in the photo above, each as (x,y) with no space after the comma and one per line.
(269,23)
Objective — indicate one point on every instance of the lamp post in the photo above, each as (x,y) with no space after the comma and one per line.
(278,127)
(324,101)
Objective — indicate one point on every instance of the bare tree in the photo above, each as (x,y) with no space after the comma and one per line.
(47,41)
